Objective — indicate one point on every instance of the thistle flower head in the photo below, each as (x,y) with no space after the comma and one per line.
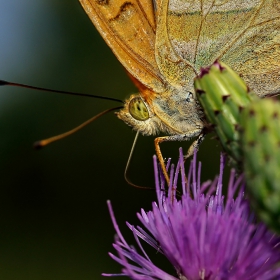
(204,234)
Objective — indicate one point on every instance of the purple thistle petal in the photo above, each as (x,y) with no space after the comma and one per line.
(183,174)
(204,237)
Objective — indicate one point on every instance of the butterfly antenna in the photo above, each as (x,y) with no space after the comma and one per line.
(45,142)
(42,143)
(128,164)
(5,83)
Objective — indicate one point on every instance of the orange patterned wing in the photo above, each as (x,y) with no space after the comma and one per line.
(129,27)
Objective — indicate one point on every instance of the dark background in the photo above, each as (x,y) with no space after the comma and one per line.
(54,222)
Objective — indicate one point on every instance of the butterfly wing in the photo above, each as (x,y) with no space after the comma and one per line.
(244,34)
(129,30)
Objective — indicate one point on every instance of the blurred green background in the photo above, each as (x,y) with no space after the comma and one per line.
(54,222)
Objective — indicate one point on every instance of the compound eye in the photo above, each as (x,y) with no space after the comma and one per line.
(138,109)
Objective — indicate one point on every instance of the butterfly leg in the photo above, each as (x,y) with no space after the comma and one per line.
(179,137)
(195,145)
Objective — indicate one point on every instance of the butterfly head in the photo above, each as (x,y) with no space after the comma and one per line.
(138,114)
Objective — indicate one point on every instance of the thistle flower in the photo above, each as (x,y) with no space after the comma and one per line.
(204,234)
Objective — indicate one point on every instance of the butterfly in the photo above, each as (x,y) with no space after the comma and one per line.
(162,44)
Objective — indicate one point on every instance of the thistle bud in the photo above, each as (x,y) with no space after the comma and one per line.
(223,95)
(260,141)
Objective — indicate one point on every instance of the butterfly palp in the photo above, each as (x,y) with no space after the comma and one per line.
(138,109)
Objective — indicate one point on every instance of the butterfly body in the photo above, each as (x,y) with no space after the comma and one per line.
(163,44)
